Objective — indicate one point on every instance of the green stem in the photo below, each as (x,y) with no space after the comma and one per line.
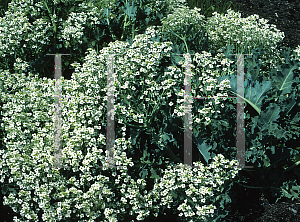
(279,57)
(154,109)
(52,20)
(250,186)
(292,167)
(183,39)
(186,47)
(109,28)
(133,31)
(125,24)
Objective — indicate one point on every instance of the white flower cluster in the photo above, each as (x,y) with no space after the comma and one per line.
(232,29)
(180,20)
(73,27)
(16,28)
(29,160)
(29,122)
(200,184)
(296,54)
(208,68)
(171,5)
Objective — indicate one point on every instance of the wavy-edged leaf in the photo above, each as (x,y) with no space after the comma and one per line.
(253,66)
(271,114)
(289,105)
(254,95)
(283,77)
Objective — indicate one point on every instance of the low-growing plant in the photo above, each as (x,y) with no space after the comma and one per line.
(85,190)
(148,112)
(244,33)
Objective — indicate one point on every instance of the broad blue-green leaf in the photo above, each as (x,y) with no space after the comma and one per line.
(130,10)
(271,114)
(203,149)
(254,95)
(283,78)
(289,105)
(253,66)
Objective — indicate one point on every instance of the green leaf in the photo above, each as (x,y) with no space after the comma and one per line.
(253,66)
(289,104)
(154,175)
(254,95)
(107,12)
(283,79)
(130,10)
(144,173)
(72,9)
(134,133)
(203,149)
(271,114)
(173,194)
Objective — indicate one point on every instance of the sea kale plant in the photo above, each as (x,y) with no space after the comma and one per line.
(86,189)
(149,68)
(50,194)
(231,29)
(31,29)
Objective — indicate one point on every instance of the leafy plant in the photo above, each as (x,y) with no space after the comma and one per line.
(61,192)
(268,136)
(149,65)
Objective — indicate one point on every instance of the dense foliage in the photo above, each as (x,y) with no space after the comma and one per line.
(148,39)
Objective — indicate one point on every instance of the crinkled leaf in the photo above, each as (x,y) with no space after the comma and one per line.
(283,77)
(254,95)
(271,114)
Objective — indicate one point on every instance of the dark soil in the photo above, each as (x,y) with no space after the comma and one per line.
(253,206)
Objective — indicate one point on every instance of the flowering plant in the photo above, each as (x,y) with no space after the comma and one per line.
(70,193)
(231,29)
(149,134)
